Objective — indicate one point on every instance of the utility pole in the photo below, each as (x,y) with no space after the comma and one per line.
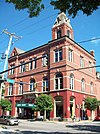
(11,36)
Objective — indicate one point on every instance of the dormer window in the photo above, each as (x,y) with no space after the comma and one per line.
(58,34)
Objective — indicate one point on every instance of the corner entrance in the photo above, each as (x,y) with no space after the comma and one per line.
(58,110)
(72,107)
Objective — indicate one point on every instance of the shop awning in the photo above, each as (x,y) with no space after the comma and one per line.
(25,105)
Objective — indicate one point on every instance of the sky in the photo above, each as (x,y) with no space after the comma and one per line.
(36,31)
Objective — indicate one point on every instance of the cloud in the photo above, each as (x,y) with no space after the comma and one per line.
(95,40)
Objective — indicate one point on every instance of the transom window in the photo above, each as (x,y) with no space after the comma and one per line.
(70,55)
(71,81)
(59,81)
(45,84)
(58,55)
(83,85)
(10,89)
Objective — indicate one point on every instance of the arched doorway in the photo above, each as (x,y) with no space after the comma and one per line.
(72,107)
(58,106)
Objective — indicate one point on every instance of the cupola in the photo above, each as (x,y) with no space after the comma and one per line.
(62,27)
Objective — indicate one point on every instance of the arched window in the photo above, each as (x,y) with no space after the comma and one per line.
(45,84)
(68,33)
(58,34)
(32,85)
(91,88)
(83,85)
(59,81)
(72,81)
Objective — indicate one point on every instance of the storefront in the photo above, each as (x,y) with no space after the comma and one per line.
(26,110)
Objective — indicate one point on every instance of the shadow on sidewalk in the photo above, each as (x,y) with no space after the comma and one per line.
(86,127)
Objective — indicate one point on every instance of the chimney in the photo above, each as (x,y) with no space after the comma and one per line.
(92,52)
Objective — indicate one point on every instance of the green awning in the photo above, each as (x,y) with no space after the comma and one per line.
(25,105)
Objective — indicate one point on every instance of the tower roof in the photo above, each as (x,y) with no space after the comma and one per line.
(62,18)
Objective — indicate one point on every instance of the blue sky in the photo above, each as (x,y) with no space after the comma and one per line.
(37,31)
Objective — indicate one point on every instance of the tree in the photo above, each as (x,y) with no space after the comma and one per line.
(91,104)
(6,105)
(34,7)
(74,6)
(44,103)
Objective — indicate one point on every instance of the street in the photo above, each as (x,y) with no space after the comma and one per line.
(50,127)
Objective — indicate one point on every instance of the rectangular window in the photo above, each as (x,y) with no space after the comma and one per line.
(12,70)
(90,64)
(81,61)
(34,63)
(70,55)
(45,85)
(10,89)
(45,60)
(21,88)
(22,67)
(31,64)
(58,55)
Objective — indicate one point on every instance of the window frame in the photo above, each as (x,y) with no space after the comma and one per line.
(10,89)
(91,88)
(72,82)
(31,86)
(12,71)
(45,84)
(59,34)
(70,55)
(58,55)
(81,61)
(20,91)
(58,81)
(82,85)
(44,60)
(22,67)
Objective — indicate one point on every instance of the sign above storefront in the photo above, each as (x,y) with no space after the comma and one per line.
(25,105)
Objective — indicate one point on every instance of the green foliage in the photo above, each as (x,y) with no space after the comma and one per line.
(33,7)
(5,104)
(44,102)
(74,6)
(91,103)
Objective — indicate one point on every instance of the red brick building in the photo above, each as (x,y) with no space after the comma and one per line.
(52,68)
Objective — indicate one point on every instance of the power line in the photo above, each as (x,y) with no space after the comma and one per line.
(75,69)
(98,38)
(38,29)
(27,27)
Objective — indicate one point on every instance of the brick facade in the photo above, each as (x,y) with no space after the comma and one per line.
(67,86)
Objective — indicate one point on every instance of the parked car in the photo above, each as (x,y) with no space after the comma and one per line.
(97,118)
(8,120)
